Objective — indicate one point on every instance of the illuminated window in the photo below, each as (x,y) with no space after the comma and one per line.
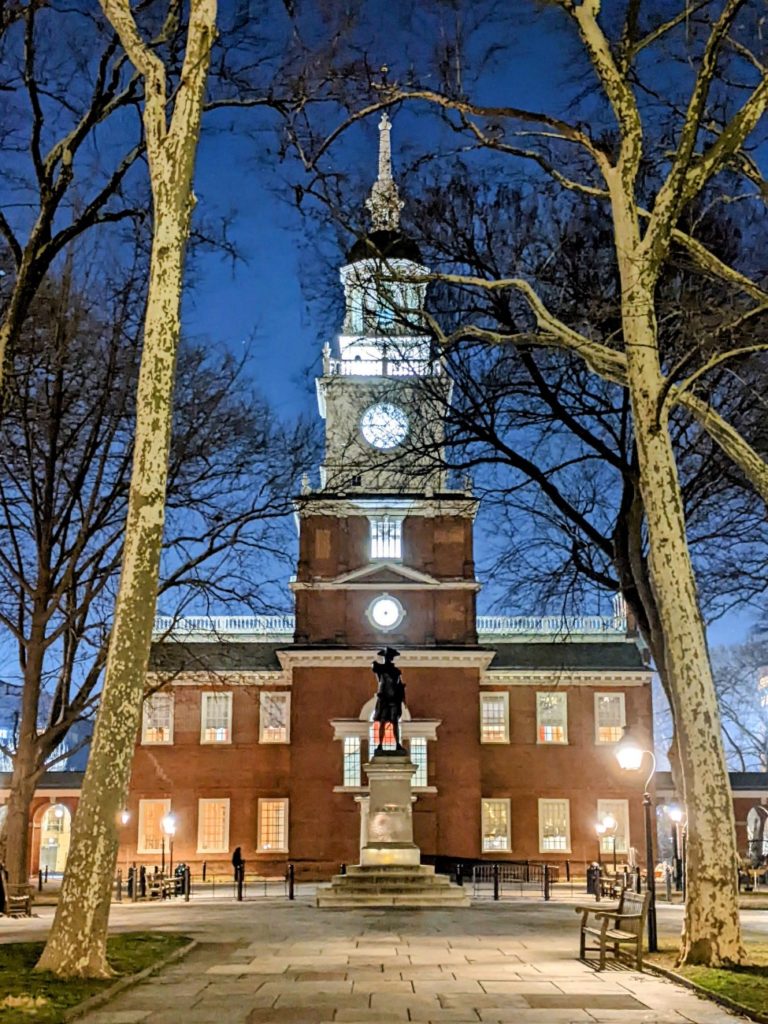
(351,760)
(386,537)
(610,717)
(619,811)
(494,718)
(151,814)
(495,825)
(373,737)
(157,719)
(552,718)
(418,747)
(554,826)
(216,718)
(273,825)
(212,826)
(274,716)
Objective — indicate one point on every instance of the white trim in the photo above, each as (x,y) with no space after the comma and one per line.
(555,800)
(362,658)
(602,812)
(284,698)
(495,695)
(622,724)
(458,583)
(418,727)
(224,848)
(225,677)
(562,699)
(204,697)
(273,800)
(570,677)
(140,844)
(457,504)
(508,819)
(144,705)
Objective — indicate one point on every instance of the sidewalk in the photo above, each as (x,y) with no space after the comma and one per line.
(298,965)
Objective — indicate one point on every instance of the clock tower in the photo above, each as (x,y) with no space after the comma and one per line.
(385,547)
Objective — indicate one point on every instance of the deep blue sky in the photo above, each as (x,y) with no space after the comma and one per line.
(267,302)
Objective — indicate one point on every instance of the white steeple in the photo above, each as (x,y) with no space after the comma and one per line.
(384,203)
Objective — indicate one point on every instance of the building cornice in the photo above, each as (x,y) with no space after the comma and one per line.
(566,677)
(319,657)
(342,506)
(340,584)
(421,728)
(208,677)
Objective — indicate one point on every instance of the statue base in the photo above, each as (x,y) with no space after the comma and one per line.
(389,831)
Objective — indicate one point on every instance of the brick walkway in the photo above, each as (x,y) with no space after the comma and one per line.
(298,965)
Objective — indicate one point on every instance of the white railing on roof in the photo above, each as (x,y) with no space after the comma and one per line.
(550,625)
(280,627)
(215,627)
(382,368)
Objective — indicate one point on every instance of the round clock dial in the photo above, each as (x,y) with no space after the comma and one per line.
(386,612)
(384,425)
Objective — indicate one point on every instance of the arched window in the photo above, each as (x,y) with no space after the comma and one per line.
(757,833)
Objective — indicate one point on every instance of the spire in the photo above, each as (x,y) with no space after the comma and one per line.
(384,203)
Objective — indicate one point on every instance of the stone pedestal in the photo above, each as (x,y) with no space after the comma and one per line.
(389,840)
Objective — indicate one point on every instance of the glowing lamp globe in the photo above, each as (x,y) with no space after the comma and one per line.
(676,814)
(609,822)
(629,755)
(169,824)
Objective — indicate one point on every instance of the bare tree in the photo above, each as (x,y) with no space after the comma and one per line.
(76,944)
(741,678)
(712,117)
(67,444)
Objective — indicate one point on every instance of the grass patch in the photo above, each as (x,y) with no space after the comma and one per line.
(746,985)
(29,997)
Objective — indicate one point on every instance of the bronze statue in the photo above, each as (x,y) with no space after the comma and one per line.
(390,696)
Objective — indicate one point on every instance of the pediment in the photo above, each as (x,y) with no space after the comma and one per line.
(385,574)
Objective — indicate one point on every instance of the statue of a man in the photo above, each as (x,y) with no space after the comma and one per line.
(390,696)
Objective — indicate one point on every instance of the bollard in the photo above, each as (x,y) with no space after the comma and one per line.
(460,874)
(240,869)
(546,883)
(187,883)
(205,868)
(342,869)
(143,882)
(567,871)
(495,881)
(598,883)
(291,882)
(638,883)
(119,886)
(46,872)
(40,880)
(668,882)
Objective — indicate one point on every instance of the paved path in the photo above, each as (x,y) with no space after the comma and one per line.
(277,962)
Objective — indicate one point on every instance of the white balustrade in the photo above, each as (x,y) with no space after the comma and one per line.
(491,627)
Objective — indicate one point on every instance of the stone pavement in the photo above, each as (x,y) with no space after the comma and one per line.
(299,965)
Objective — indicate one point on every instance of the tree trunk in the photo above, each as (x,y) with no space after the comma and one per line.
(15,838)
(712,932)
(77,942)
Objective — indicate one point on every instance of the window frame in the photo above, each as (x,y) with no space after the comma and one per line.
(623,701)
(212,800)
(562,695)
(507,803)
(260,848)
(347,757)
(390,533)
(204,697)
(612,803)
(141,846)
(493,696)
(555,800)
(285,699)
(422,765)
(170,697)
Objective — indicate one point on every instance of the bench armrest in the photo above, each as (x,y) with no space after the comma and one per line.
(620,917)
(594,908)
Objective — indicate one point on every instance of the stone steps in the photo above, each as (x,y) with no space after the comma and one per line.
(379,886)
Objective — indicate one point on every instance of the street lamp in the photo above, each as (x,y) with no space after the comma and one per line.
(630,755)
(611,826)
(600,829)
(168,826)
(677,816)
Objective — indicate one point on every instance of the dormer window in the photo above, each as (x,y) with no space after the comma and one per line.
(386,538)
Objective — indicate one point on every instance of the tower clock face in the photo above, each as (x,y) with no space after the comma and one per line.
(384,425)
(386,612)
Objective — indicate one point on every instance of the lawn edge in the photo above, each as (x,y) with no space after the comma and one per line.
(728,1003)
(107,994)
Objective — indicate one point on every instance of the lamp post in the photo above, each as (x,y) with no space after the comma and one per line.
(630,755)
(611,826)
(677,815)
(125,817)
(168,826)
(600,830)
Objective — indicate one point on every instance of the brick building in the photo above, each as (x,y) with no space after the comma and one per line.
(261,727)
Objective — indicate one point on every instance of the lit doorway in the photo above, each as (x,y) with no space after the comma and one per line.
(55,829)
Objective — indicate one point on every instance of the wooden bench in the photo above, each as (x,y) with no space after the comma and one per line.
(18,901)
(623,925)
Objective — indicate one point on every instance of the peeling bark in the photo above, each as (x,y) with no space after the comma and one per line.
(76,945)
